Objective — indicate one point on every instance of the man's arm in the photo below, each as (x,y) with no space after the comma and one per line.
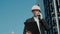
(47,27)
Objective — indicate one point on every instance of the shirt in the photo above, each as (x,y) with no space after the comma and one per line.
(37,21)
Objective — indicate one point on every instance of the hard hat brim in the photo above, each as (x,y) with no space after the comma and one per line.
(36,10)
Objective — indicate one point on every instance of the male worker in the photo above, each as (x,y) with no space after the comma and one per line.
(36,24)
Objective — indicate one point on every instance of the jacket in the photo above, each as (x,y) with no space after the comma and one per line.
(31,25)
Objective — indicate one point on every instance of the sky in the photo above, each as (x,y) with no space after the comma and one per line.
(13,14)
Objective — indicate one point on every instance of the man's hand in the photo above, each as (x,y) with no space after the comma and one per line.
(41,17)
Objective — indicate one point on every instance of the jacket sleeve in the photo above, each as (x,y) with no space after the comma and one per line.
(47,27)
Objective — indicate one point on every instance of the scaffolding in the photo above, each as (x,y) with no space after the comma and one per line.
(51,15)
(56,15)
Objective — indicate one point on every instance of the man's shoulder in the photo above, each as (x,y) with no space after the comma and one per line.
(29,20)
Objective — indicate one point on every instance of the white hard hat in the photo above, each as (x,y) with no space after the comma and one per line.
(36,7)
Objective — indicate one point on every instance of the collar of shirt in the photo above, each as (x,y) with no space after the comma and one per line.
(37,21)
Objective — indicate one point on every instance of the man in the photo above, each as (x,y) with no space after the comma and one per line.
(36,24)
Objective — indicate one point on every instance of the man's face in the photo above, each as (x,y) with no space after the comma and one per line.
(35,12)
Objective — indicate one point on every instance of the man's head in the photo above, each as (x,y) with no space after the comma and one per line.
(36,10)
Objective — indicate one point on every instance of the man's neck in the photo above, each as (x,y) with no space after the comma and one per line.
(36,16)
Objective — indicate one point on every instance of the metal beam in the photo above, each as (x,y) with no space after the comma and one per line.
(56,15)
